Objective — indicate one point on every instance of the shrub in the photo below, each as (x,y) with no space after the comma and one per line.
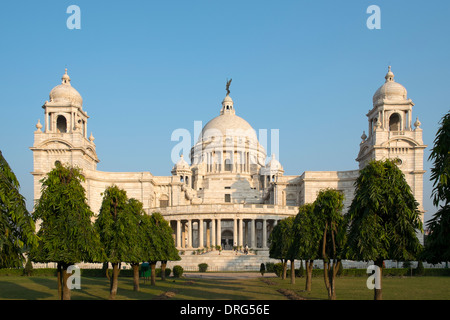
(340,270)
(420,270)
(202,267)
(28,270)
(269,266)
(262,269)
(178,271)
(278,269)
(168,272)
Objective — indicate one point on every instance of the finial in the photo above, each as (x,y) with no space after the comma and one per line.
(389,76)
(417,124)
(363,136)
(91,138)
(38,126)
(65,78)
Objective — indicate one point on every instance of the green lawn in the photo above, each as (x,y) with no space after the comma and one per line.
(348,288)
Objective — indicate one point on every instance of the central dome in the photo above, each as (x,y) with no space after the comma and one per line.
(228,124)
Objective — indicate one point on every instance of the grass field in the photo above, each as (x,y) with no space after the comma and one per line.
(347,288)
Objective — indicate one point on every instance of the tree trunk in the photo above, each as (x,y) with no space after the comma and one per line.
(378,295)
(60,280)
(65,288)
(153,273)
(284,263)
(329,272)
(292,272)
(309,269)
(135,276)
(114,281)
(163,270)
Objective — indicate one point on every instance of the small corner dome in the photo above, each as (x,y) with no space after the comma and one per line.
(65,93)
(274,164)
(181,164)
(390,90)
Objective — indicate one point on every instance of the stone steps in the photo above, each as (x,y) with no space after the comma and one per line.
(225,261)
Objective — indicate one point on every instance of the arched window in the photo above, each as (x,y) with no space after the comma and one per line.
(61,124)
(394,122)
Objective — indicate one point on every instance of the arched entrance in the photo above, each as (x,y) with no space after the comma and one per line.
(226,240)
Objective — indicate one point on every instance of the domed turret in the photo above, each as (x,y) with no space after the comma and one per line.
(64,94)
(390,90)
(181,164)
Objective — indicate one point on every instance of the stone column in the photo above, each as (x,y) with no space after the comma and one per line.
(178,234)
(235,231)
(208,234)
(253,233)
(200,233)
(219,233)
(264,239)
(189,233)
(241,231)
(245,233)
(214,236)
(183,235)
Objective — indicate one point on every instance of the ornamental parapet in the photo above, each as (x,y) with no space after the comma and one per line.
(227,210)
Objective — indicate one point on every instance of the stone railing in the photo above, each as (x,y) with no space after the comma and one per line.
(226,208)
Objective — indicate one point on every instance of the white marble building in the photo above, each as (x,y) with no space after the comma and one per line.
(229,192)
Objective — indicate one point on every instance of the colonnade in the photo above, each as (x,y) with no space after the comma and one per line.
(225,232)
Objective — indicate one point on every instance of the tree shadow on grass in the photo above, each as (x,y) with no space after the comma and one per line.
(15,291)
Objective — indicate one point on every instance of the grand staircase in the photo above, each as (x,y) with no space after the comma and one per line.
(226,260)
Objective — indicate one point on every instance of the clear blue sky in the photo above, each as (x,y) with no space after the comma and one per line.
(146,68)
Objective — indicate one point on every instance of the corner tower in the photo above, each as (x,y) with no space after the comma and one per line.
(63,137)
(392,135)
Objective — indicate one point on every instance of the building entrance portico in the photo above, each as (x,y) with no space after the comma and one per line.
(203,232)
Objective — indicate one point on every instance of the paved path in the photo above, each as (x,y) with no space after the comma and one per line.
(226,275)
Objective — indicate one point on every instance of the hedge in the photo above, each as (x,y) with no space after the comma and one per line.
(392,272)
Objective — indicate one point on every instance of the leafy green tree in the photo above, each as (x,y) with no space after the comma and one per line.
(137,240)
(159,245)
(383,217)
(116,226)
(281,239)
(437,245)
(17,227)
(307,233)
(328,209)
(66,234)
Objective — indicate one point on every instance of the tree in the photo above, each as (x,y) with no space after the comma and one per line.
(17,226)
(328,209)
(281,239)
(307,233)
(116,226)
(66,234)
(159,245)
(137,240)
(437,245)
(383,217)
